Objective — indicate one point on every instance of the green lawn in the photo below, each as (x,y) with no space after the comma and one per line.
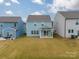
(35,48)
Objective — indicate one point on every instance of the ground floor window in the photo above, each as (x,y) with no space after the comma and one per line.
(78,33)
(31,32)
(37,32)
(70,31)
(34,32)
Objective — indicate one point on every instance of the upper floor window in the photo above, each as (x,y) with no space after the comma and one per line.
(42,24)
(77,22)
(1,25)
(34,24)
(15,24)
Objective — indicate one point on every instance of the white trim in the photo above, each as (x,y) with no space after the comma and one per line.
(46,36)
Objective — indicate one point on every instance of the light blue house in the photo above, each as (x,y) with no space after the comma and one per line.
(11,26)
(39,26)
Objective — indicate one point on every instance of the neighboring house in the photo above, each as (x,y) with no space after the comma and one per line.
(40,26)
(67,23)
(11,26)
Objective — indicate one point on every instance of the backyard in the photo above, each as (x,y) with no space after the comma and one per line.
(35,48)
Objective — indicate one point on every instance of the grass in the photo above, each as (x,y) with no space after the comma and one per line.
(35,48)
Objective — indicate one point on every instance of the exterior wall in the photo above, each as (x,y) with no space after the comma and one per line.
(30,26)
(71,24)
(10,32)
(6,27)
(60,24)
(20,28)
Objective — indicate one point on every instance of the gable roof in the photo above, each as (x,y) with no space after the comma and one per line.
(69,14)
(39,18)
(9,19)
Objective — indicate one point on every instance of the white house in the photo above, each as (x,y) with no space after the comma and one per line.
(39,26)
(67,23)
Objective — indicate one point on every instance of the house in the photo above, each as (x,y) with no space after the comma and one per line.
(39,26)
(11,26)
(67,23)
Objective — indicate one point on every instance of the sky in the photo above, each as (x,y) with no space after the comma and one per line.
(24,8)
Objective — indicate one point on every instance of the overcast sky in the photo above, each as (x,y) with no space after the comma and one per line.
(36,7)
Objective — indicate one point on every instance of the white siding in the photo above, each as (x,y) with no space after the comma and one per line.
(60,23)
(30,26)
(71,24)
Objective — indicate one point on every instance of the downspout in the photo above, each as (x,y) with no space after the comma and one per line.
(65,28)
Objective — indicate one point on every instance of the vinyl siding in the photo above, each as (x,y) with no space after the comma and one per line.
(71,24)
(30,26)
(60,24)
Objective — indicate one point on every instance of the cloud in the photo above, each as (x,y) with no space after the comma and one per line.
(63,5)
(15,1)
(1,1)
(37,13)
(7,4)
(8,12)
(38,1)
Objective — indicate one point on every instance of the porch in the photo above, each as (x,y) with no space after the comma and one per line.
(46,32)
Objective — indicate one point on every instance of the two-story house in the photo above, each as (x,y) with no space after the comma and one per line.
(11,26)
(67,23)
(39,26)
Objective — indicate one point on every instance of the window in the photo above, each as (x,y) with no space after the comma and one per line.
(42,24)
(34,32)
(16,30)
(1,25)
(70,31)
(34,24)
(31,32)
(15,24)
(77,22)
(37,32)
(78,33)
(52,24)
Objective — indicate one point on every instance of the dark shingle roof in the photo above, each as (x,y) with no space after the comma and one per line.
(39,18)
(69,14)
(9,19)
